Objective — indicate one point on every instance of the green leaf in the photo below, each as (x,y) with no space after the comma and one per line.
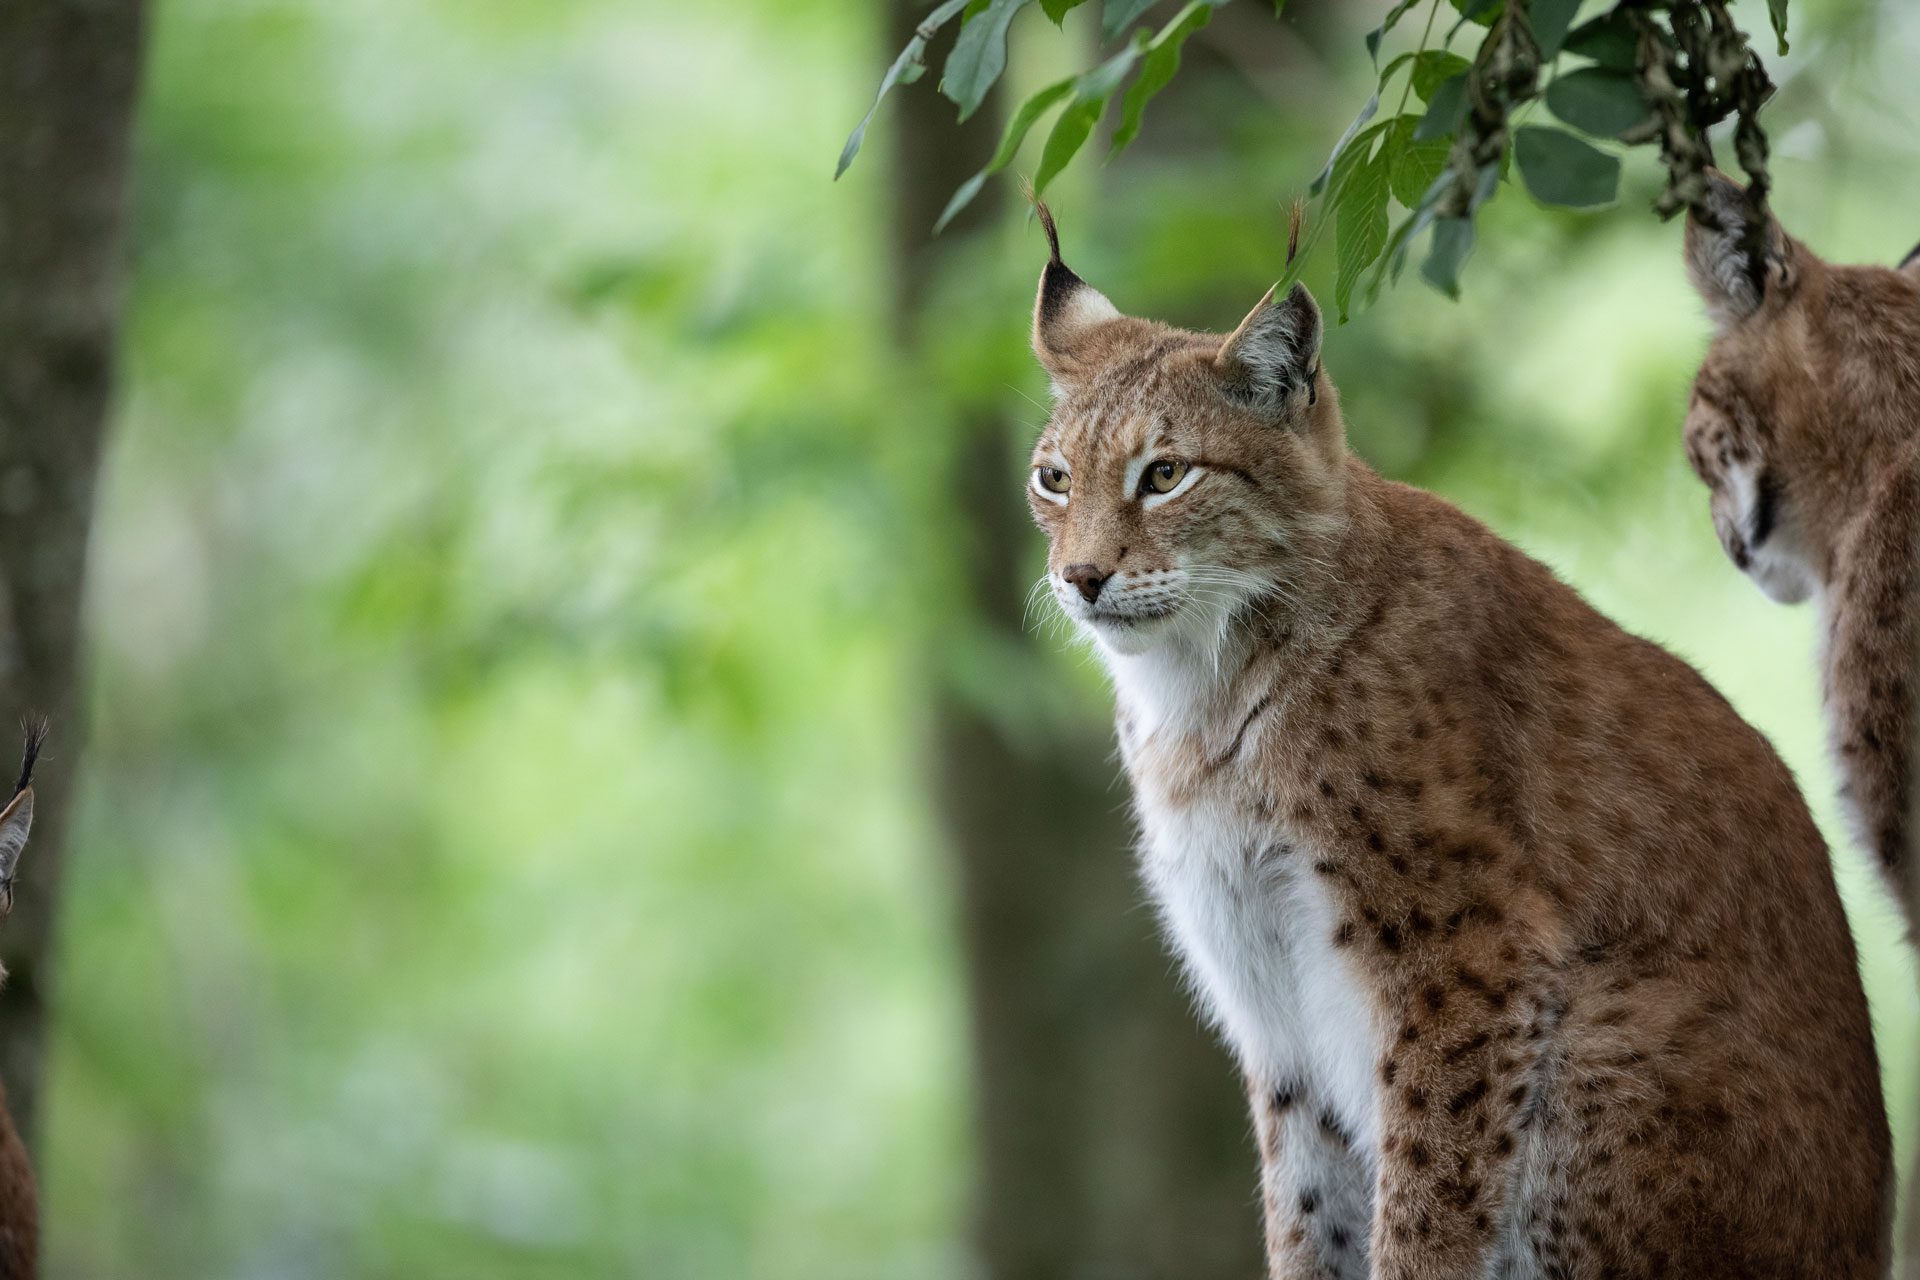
(1561,168)
(1069,134)
(1433,68)
(1158,67)
(1445,110)
(1357,153)
(1362,225)
(1550,19)
(1395,254)
(1491,176)
(1395,250)
(908,67)
(1482,12)
(1452,242)
(1412,165)
(1058,9)
(1351,160)
(1777,10)
(1117,15)
(1604,103)
(1091,92)
(1394,15)
(1422,214)
(1609,40)
(1346,139)
(979,55)
(1017,128)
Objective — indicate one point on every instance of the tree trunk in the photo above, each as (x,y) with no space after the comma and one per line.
(69,70)
(1111,1131)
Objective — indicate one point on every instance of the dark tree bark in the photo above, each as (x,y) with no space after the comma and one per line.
(1111,1131)
(69,71)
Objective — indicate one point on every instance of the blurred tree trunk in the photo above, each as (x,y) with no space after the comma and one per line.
(1111,1131)
(69,70)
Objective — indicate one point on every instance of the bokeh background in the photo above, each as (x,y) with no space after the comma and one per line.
(572,788)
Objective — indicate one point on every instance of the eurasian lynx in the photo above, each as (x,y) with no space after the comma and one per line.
(1805,426)
(1526,943)
(19,1194)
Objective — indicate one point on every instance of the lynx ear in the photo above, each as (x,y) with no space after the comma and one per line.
(16,821)
(1731,282)
(1910,265)
(1066,313)
(1275,353)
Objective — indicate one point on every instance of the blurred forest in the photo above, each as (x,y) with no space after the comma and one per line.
(572,788)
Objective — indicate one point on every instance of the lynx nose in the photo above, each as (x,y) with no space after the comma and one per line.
(1087,578)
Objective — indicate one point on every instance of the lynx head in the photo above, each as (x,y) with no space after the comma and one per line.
(1792,401)
(1181,475)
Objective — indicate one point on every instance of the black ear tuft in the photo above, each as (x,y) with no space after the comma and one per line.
(1046,224)
(35,728)
(1065,311)
(1275,353)
(1058,283)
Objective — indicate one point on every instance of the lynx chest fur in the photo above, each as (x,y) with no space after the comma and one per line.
(1256,925)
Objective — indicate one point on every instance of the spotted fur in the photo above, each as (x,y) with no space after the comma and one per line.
(1526,943)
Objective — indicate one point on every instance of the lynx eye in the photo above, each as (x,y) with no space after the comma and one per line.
(1163,476)
(1052,479)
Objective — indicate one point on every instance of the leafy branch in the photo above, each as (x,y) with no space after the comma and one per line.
(1644,72)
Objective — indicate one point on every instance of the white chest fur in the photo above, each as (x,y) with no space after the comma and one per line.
(1256,926)
(1253,921)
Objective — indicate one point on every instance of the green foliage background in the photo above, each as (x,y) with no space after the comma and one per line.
(506,847)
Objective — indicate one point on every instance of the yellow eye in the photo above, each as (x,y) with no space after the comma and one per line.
(1163,476)
(1052,479)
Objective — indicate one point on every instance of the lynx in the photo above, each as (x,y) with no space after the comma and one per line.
(19,1195)
(1804,424)
(1527,946)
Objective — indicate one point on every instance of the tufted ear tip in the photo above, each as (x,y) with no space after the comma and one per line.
(1067,302)
(1729,278)
(1066,309)
(1274,352)
(1045,215)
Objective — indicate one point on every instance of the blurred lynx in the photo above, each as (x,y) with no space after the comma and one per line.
(19,1195)
(1526,943)
(1805,426)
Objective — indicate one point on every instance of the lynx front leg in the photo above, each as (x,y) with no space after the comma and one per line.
(1316,1188)
(1457,1084)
